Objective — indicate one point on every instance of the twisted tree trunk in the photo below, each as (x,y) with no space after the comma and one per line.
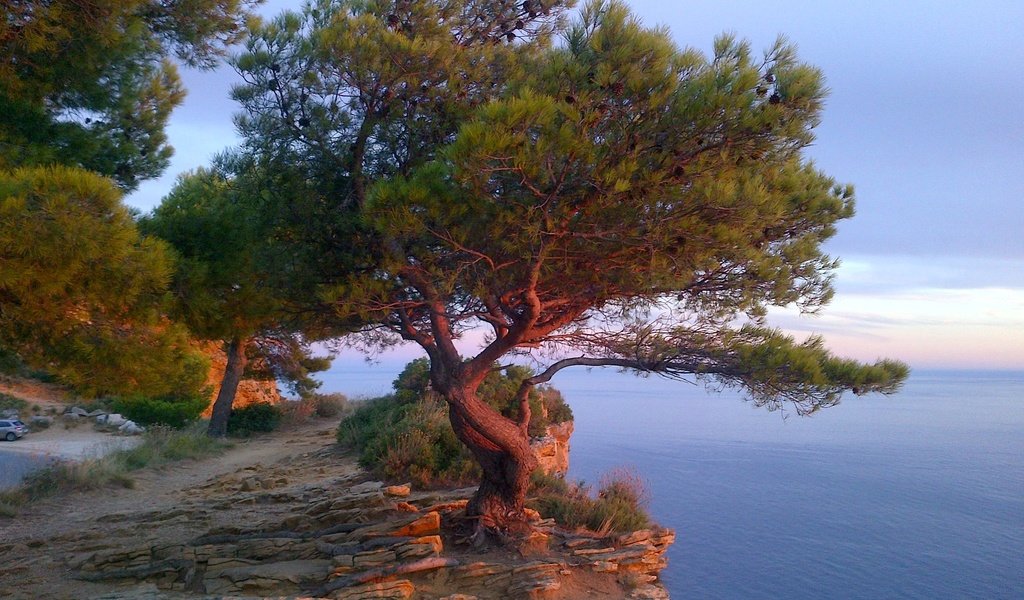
(503,450)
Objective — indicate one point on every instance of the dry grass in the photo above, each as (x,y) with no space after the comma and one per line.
(619,505)
(159,446)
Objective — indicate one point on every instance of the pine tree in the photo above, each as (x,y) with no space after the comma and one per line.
(90,84)
(611,200)
(81,289)
(225,290)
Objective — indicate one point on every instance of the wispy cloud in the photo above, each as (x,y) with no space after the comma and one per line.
(934,327)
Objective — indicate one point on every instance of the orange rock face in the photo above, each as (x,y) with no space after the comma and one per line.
(552,450)
(250,391)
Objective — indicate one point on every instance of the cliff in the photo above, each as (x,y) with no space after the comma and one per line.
(293,516)
(250,391)
(552,450)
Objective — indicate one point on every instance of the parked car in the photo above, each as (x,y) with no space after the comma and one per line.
(12,429)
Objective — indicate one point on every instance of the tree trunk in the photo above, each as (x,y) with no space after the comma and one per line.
(504,453)
(228,387)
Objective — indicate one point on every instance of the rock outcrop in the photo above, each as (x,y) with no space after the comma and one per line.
(350,540)
(552,449)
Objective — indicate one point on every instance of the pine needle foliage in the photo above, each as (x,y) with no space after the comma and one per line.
(90,84)
(81,289)
(586,192)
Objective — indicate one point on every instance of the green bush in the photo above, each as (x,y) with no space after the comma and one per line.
(261,417)
(408,441)
(8,401)
(619,505)
(172,412)
(407,436)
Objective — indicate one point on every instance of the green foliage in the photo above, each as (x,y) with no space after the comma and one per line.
(408,441)
(224,288)
(618,507)
(649,197)
(81,289)
(498,390)
(163,445)
(217,282)
(407,435)
(614,199)
(261,417)
(172,411)
(8,401)
(90,84)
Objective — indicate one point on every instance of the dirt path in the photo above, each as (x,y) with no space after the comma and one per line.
(166,505)
(288,514)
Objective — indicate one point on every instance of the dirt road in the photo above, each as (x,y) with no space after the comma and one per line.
(168,505)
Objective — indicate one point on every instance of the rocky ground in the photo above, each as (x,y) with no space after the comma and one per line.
(289,515)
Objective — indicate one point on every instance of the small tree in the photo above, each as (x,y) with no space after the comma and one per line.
(81,290)
(89,85)
(224,291)
(611,201)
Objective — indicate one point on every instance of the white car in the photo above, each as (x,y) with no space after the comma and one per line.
(12,429)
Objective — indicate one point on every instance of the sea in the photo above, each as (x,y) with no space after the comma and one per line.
(917,495)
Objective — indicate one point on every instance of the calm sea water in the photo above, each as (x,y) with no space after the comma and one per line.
(918,495)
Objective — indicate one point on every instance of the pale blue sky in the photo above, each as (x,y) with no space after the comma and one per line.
(925,117)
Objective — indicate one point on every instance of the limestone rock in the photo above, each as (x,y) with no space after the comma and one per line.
(428,524)
(270,577)
(552,450)
(398,491)
(649,592)
(250,391)
(131,428)
(401,589)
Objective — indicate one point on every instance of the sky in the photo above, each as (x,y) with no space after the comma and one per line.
(924,117)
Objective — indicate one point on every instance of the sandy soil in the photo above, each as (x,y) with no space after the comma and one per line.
(45,395)
(37,547)
(71,444)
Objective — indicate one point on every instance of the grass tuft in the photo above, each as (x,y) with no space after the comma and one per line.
(618,507)
(160,446)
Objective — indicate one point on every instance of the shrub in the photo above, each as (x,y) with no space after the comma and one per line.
(296,411)
(326,406)
(105,404)
(407,436)
(163,445)
(8,401)
(408,441)
(555,406)
(261,417)
(619,505)
(329,406)
(172,412)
